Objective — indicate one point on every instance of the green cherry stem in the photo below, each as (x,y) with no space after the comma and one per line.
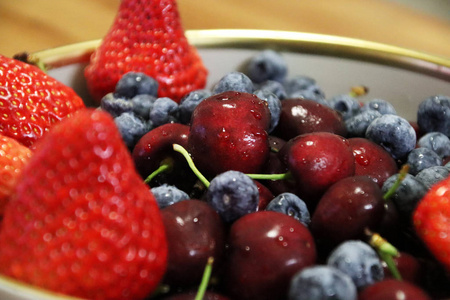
(402,174)
(166,165)
(191,164)
(385,250)
(281,176)
(205,279)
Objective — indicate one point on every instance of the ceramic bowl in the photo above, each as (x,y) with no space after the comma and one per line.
(403,77)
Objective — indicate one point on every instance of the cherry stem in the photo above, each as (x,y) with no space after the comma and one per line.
(191,164)
(166,165)
(385,250)
(402,174)
(281,176)
(205,279)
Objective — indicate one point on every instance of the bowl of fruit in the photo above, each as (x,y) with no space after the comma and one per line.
(158,163)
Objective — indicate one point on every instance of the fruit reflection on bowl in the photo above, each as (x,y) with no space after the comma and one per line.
(403,77)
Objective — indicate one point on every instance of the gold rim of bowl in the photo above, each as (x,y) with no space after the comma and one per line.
(300,42)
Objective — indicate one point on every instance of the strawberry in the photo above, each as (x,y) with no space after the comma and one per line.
(13,156)
(431,221)
(31,101)
(146,36)
(82,221)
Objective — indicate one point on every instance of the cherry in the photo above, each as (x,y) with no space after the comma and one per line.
(155,149)
(228,132)
(194,233)
(191,295)
(265,195)
(266,249)
(392,289)
(346,209)
(372,160)
(299,116)
(409,266)
(316,161)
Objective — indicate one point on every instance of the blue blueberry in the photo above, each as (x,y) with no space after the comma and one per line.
(434,115)
(164,111)
(347,105)
(436,141)
(291,205)
(131,128)
(166,195)
(298,83)
(359,261)
(135,83)
(357,125)
(142,105)
(422,158)
(312,92)
(407,195)
(274,87)
(234,81)
(233,194)
(267,65)
(447,165)
(274,107)
(189,102)
(394,134)
(380,105)
(432,175)
(115,105)
(321,282)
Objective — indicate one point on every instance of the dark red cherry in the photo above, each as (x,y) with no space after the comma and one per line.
(228,132)
(266,249)
(346,209)
(265,195)
(299,116)
(316,161)
(391,289)
(190,295)
(194,232)
(372,160)
(409,266)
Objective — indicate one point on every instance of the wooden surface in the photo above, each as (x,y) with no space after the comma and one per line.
(31,25)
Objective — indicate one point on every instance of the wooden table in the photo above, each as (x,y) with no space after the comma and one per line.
(27,25)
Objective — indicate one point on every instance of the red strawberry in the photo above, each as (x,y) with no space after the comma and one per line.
(432,221)
(82,221)
(31,101)
(146,36)
(13,156)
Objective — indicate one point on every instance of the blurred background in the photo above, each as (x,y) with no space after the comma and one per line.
(422,25)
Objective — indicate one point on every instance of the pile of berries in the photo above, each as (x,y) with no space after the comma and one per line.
(261,187)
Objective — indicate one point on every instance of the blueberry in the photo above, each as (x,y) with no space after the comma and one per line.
(347,105)
(380,105)
(291,205)
(166,195)
(234,81)
(274,107)
(189,102)
(407,195)
(321,282)
(131,128)
(164,111)
(298,83)
(274,87)
(233,194)
(432,175)
(422,158)
(394,134)
(135,83)
(115,105)
(434,115)
(359,261)
(267,65)
(312,92)
(142,105)
(436,141)
(357,125)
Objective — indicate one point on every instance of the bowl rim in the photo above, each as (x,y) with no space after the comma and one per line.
(290,41)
